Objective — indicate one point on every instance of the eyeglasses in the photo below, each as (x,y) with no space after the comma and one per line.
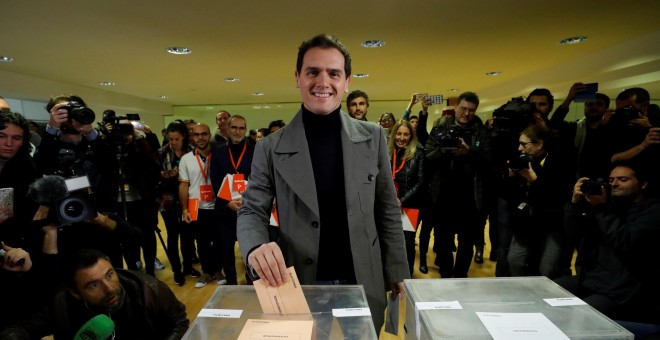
(524,144)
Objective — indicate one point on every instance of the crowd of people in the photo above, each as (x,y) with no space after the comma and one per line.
(340,188)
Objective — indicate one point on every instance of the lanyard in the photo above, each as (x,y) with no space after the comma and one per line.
(240,158)
(203,168)
(394,169)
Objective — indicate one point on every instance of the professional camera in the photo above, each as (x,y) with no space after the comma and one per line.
(118,129)
(521,162)
(449,138)
(593,187)
(69,198)
(514,116)
(80,113)
(623,115)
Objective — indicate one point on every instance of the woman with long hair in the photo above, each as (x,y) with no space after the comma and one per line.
(407,160)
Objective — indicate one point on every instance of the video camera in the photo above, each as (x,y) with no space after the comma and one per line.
(514,116)
(80,113)
(69,198)
(593,187)
(521,162)
(118,129)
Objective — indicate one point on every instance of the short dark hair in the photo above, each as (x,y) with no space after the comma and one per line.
(543,92)
(356,94)
(324,41)
(64,98)
(637,166)
(8,117)
(469,97)
(604,98)
(642,95)
(279,123)
(264,131)
(237,117)
(80,259)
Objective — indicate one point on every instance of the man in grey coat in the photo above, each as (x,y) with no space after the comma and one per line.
(338,214)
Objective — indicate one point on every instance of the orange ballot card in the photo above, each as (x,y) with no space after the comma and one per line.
(276,329)
(285,299)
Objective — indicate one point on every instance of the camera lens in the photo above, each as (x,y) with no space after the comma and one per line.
(73,208)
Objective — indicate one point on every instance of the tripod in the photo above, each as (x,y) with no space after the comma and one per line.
(137,212)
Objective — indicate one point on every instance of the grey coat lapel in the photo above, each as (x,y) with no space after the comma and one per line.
(292,160)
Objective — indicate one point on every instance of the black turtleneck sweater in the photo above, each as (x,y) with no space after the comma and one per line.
(323,132)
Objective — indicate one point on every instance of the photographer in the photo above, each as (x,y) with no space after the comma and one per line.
(455,153)
(136,186)
(73,148)
(618,237)
(540,177)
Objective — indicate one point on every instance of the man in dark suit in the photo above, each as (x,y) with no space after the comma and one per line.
(233,158)
(338,214)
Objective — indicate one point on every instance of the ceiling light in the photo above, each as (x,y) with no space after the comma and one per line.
(494,73)
(232,80)
(6,59)
(361,75)
(106,83)
(572,40)
(258,94)
(163,97)
(373,43)
(452,90)
(178,50)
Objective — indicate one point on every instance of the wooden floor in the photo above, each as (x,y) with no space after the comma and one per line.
(195,298)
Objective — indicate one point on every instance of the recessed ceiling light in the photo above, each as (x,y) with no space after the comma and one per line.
(258,94)
(178,50)
(373,43)
(361,75)
(163,97)
(6,59)
(452,90)
(106,83)
(232,80)
(494,73)
(573,40)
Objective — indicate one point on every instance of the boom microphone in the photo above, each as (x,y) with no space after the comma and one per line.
(100,327)
(48,190)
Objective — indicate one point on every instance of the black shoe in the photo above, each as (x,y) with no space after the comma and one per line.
(479,255)
(192,272)
(423,269)
(179,279)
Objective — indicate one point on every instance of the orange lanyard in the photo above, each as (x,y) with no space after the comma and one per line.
(394,169)
(240,158)
(203,168)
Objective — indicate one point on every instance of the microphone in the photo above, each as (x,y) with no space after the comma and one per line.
(100,327)
(48,190)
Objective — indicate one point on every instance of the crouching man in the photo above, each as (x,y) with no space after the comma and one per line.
(138,306)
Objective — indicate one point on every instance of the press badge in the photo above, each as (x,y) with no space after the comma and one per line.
(239,183)
(206,193)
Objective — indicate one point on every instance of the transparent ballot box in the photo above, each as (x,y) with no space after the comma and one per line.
(337,311)
(447,308)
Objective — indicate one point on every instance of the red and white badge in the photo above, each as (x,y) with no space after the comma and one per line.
(206,193)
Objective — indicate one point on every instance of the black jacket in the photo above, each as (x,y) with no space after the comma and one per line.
(149,311)
(410,180)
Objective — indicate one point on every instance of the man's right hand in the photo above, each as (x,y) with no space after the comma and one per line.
(186,217)
(58,115)
(268,262)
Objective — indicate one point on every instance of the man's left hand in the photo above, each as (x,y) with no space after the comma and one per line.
(397,288)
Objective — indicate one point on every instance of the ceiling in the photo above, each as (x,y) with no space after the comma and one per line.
(431,46)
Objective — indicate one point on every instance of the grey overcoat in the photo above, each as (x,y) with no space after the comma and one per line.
(282,168)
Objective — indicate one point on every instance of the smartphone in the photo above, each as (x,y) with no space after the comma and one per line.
(7,199)
(434,99)
(589,93)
